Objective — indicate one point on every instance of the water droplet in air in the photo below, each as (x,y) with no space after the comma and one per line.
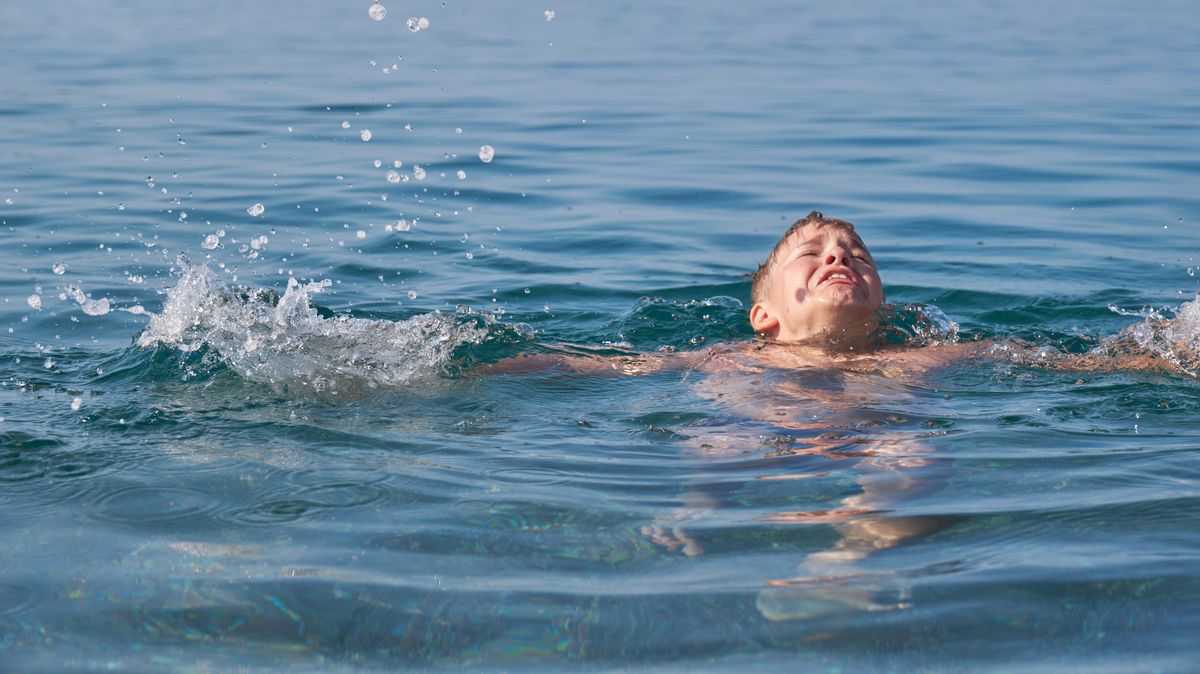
(35,301)
(412,294)
(59,268)
(377,12)
(210,242)
(418,172)
(470,256)
(527,291)
(8,200)
(378,163)
(393,177)
(365,134)
(549,14)
(345,124)
(486,153)
(360,234)
(76,403)
(256,210)
(417,24)
(402,225)
(95,307)
(462,175)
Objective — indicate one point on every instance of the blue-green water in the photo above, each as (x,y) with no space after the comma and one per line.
(256,483)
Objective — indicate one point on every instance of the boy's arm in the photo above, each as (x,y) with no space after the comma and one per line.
(597,365)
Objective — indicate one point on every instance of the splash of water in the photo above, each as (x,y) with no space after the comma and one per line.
(1175,339)
(284,342)
(90,306)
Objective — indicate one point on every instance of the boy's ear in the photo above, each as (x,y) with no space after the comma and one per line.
(762,320)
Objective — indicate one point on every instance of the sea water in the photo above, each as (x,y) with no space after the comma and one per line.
(258,259)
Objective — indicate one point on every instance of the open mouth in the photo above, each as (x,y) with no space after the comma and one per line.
(836,276)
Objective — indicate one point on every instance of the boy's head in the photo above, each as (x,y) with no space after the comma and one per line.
(819,280)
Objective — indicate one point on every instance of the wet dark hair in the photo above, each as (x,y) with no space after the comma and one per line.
(814,219)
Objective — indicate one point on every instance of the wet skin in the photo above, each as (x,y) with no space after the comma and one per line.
(822,283)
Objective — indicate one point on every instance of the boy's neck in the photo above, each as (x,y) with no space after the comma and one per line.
(833,341)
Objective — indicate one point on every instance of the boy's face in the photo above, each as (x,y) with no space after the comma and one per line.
(823,280)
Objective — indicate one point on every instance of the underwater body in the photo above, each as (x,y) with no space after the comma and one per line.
(258,261)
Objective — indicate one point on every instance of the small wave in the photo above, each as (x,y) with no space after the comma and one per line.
(285,342)
(666,325)
(916,325)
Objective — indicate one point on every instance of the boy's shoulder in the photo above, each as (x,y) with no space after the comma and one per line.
(896,362)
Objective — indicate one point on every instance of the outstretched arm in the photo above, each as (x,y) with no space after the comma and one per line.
(583,362)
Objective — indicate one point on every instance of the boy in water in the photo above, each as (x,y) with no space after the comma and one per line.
(813,379)
(815,301)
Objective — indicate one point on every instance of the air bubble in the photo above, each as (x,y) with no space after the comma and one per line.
(486,153)
(256,210)
(377,12)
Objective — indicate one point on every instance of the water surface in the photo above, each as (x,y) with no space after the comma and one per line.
(316,478)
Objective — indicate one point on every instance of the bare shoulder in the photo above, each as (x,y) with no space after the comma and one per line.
(896,362)
(914,362)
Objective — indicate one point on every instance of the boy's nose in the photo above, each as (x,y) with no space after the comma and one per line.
(836,255)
